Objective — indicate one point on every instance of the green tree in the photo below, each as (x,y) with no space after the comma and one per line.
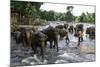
(29,9)
(69,16)
(31,12)
(51,16)
(93,14)
(70,8)
(48,15)
(82,18)
(88,17)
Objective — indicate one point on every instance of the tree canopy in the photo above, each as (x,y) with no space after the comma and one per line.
(32,11)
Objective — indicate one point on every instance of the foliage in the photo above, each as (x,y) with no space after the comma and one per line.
(88,17)
(31,11)
(49,16)
(70,8)
(69,16)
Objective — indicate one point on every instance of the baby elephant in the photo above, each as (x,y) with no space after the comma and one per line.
(71,29)
(38,41)
(91,32)
(63,33)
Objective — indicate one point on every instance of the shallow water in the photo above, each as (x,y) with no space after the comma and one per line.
(68,53)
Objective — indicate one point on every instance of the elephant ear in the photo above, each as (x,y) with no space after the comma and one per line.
(46,37)
(56,30)
(42,36)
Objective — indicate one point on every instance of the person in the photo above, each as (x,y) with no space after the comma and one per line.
(67,37)
(80,37)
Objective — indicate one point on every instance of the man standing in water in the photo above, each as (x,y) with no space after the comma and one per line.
(80,37)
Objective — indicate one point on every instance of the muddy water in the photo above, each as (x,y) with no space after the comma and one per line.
(68,53)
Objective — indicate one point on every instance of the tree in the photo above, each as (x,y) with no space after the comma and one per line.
(48,15)
(88,17)
(93,14)
(28,9)
(70,8)
(59,16)
(31,12)
(69,16)
(83,18)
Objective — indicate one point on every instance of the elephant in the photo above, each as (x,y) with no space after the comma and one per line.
(71,28)
(79,27)
(91,32)
(66,26)
(60,26)
(79,32)
(63,33)
(52,34)
(17,35)
(88,30)
(23,35)
(38,41)
(26,36)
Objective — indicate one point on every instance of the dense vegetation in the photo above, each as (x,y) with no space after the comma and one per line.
(29,11)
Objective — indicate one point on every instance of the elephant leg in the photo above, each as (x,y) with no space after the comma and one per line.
(28,42)
(90,36)
(61,37)
(67,40)
(81,38)
(23,42)
(45,43)
(68,30)
(79,41)
(42,52)
(50,44)
(56,44)
(35,50)
(16,40)
(72,30)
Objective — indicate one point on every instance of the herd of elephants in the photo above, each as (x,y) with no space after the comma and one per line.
(38,39)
